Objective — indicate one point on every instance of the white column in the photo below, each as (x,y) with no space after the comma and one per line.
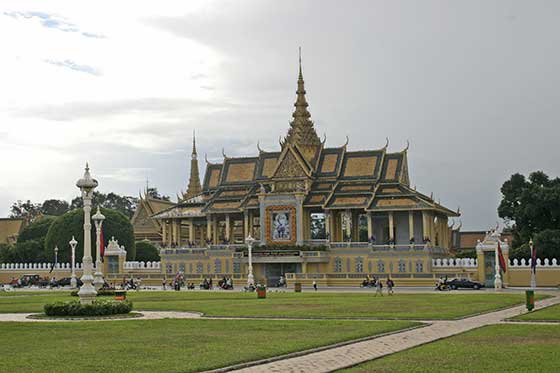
(391,226)
(227,233)
(328,224)
(369,226)
(191,232)
(163,233)
(348,223)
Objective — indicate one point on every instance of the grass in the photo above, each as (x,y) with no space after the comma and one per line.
(551,313)
(496,348)
(307,304)
(167,345)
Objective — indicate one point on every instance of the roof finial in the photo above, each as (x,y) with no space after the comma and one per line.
(193,144)
(300,74)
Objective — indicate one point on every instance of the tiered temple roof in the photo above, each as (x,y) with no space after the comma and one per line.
(330,178)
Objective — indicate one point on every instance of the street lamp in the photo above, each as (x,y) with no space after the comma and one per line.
(250,279)
(87,184)
(73,281)
(98,276)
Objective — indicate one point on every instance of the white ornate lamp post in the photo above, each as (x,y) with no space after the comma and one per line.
(55,256)
(98,276)
(497,276)
(87,184)
(250,279)
(73,281)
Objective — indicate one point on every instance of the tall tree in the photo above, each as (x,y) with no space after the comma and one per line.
(55,207)
(124,204)
(26,210)
(531,205)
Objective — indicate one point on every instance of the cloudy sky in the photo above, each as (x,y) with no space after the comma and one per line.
(473,85)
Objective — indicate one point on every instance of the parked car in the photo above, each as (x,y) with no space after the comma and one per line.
(65,281)
(458,283)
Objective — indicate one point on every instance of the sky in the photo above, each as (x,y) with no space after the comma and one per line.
(473,86)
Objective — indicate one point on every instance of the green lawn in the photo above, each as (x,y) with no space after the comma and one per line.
(496,348)
(167,345)
(307,304)
(551,313)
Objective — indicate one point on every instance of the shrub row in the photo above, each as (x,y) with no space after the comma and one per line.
(97,308)
(100,293)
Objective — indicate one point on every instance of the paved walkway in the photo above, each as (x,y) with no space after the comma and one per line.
(360,352)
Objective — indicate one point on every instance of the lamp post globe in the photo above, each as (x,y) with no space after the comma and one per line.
(56,256)
(73,281)
(87,184)
(98,219)
(250,278)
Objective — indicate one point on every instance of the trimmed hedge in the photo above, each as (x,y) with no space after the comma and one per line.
(100,293)
(97,308)
(71,224)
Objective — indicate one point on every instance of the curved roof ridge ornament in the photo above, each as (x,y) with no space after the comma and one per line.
(346,143)
(407,146)
(259,147)
(458,210)
(324,139)
(206,159)
(452,224)
(386,144)
(224,153)
(460,225)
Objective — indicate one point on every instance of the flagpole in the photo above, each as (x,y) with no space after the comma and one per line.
(533,266)
(497,277)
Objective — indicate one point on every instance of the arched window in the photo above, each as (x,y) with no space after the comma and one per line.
(419,266)
(402,266)
(337,264)
(199,268)
(380,266)
(182,267)
(168,268)
(359,264)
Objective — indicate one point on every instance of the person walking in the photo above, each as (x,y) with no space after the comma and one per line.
(379,288)
(163,284)
(390,285)
(314,285)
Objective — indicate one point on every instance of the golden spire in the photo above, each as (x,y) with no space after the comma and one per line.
(194,187)
(302,131)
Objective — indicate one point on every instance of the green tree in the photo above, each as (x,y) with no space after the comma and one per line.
(25,210)
(24,252)
(54,207)
(147,252)
(154,193)
(36,230)
(123,204)
(530,205)
(116,225)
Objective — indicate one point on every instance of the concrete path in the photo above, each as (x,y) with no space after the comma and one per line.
(360,352)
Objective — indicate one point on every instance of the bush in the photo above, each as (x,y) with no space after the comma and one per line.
(100,293)
(36,230)
(71,224)
(97,308)
(146,252)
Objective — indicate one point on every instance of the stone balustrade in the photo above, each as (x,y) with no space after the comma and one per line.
(36,266)
(149,266)
(523,263)
(454,263)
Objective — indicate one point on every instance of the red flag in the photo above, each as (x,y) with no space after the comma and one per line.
(501,258)
(102,244)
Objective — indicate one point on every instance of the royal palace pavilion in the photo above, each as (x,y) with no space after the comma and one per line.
(316,212)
